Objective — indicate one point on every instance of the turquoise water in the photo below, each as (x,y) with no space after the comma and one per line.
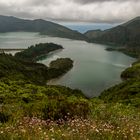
(95,69)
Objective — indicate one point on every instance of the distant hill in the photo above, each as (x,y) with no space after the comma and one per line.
(93,33)
(127,34)
(13,24)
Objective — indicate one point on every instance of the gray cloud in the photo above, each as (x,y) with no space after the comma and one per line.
(97,1)
(97,11)
(85,2)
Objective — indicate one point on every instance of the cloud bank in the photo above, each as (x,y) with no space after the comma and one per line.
(94,11)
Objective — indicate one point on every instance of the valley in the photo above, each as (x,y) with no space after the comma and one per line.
(72,88)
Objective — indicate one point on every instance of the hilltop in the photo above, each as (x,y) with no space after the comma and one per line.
(125,35)
(13,24)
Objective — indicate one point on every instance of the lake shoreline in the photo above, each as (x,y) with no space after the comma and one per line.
(95,69)
(11,49)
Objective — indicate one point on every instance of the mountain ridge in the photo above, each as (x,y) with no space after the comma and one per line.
(12,24)
(126,34)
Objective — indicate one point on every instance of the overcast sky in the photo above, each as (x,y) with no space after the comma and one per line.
(92,11)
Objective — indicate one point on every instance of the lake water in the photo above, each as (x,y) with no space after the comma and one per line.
(95,69)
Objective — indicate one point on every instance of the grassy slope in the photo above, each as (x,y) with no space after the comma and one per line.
(128,91)
(55,112)
(32,111)
(12,68)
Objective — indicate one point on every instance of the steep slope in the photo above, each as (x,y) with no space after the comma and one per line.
(125,35)
(12,68)
(93,33)
(13,24)
(129,90)
(31,111)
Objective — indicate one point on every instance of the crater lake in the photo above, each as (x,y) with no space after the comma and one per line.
(94,70)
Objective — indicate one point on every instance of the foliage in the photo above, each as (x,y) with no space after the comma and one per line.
(31,110)
(128,91)
(132,72)
(131,51)
(59,67)
(107,121)
(13,68)
(33,52)
(48,102)
(4,117)
(125,34)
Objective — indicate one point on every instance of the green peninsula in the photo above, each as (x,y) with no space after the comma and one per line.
(33,52)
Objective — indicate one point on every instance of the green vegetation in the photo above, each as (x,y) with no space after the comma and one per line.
(12,68)
(34,52)
(44,102)
(62,63)
(59,67)
(131,51)
(30,110)
(125,36)
(132,72)
(53,112)
(127,92)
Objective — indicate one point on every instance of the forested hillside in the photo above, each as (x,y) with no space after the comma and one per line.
(124,34)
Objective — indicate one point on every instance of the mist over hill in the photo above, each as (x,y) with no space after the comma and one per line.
(13,24)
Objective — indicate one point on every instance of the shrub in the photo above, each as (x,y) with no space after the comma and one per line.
(4,117)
